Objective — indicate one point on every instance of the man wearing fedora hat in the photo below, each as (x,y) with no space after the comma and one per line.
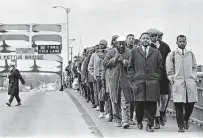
(13,88)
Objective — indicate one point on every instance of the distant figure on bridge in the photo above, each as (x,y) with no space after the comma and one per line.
(13,88)
(181,70)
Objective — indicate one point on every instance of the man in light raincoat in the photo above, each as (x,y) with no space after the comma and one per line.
(181,71)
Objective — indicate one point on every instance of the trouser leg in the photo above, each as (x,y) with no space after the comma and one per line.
(96,94)
(91,93)
(151,112)
(101,106)
(163,102)
(188,111)
(132,108)
(125,106)
(11,98)
(140,107)
(108,106)
(179,114)
(17,98)
(99,85)
(116,108)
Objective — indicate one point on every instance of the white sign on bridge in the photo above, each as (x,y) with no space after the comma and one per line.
(32,57)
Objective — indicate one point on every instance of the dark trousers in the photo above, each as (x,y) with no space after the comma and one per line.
(180,116)
(132,108)
(16,96)
(150,107)
(84,89)
(91,92)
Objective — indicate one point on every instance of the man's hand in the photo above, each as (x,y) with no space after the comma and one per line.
(117,56)
(172,81)
(120,59)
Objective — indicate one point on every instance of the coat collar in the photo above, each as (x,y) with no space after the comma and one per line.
(141,51)
(151,50)
(178,51)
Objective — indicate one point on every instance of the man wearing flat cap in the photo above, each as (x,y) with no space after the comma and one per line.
(13,88)
(164,49)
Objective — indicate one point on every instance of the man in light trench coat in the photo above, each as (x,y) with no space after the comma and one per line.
(116,62)
(144,72)
(181,70)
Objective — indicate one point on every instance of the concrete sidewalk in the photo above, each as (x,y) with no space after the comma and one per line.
(109,130)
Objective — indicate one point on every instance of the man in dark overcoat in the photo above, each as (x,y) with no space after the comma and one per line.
(144,73)
(164,49)
(13,88)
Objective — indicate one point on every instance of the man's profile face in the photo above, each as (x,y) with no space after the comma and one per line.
(159,38)
(145,40)
(130,40)
(181,42)
(114,41)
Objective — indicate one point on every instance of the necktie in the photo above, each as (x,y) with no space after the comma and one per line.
(145,51)
(183,52)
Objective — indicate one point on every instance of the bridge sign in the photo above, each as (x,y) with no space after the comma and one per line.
(50,57)
(49,49)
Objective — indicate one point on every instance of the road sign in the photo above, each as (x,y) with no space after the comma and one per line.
(49,49)
(25,51)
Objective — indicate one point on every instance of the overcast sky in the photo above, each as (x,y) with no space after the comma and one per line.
(92,20)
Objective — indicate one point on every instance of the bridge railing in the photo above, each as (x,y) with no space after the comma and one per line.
(197,114)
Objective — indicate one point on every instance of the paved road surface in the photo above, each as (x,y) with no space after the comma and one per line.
(47,113)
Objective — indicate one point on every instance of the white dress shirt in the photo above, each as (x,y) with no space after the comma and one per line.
(147,49)
(182,50)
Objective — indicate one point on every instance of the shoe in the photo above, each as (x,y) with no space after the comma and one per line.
(131,122)
(101,115)
(87,101)
(94,106)
(164,118)
(157,126)
(18,104)
(118,124)
(181,129)
(149,128)
(8,104)
(97,108)
(140,126)
(125,125)
(187,125)
(162,122)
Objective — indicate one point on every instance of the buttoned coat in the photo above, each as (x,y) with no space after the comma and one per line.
(182,70)
(144,74)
